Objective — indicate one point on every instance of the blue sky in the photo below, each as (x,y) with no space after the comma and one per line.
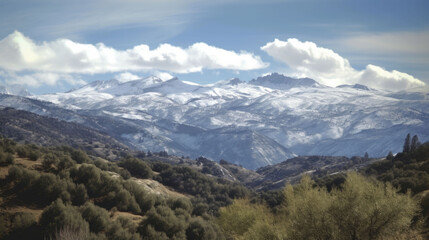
(49,46)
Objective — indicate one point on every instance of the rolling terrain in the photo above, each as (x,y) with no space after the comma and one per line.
(254,124)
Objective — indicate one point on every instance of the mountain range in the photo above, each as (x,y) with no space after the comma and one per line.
(257,123)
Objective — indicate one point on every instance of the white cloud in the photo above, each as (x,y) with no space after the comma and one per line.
(323,64)
(375,76)
(126,77)
(38,79)
(163,75)
(20,53)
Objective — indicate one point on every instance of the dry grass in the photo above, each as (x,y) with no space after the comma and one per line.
(28,163)
(25,162)
(3,172)
(133,217)
(69,233)
(22,209)
(157,188)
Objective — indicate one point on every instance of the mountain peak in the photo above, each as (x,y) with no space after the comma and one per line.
(279,81)
(355,86)
(15,90)
(234,81)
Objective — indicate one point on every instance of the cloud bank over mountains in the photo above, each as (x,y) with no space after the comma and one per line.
(328,67)
(65,56)
(25,62)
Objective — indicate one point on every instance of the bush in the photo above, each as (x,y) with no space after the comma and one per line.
(6,159)
(96,217)
(200,229)
(144,200)
(117,230)
(58,217)
(80,156)
(65,162)
(49,160)
(367,209)
(22,151)
(136,167)
(163,219)
(361,209)
(23,221)
(79,195)
(241,216)
(33,155)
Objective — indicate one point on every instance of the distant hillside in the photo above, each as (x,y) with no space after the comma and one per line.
(23,126)
(291,171)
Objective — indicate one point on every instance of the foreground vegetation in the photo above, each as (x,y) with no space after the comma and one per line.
(87,197)
(63,193)
(362,209)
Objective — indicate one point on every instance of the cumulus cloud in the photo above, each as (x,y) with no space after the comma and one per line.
(377,77)
(331,69)
(20,53)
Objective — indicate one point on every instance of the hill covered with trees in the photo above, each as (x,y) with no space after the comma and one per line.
(62,192)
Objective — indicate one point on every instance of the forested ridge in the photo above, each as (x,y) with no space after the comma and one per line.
(64,193)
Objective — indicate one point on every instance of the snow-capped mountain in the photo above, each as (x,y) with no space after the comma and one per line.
(256,123)
(19,91)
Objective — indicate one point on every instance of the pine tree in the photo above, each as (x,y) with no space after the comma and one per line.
(415,143)
(407,146)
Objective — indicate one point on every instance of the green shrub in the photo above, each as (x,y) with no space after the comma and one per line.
(49,160)
(360,209)
(80,156)
(144,200)
(97,217)
(200,229)
(65,162)
(163,219)
(23,221)
(57,217)
(136,167)
(117,231)
(6,159)
(34,154)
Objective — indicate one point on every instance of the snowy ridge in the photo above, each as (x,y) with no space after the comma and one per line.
(264,121)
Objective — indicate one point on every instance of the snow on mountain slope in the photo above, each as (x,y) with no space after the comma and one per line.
(287,115)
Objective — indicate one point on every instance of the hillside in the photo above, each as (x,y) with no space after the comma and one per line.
(292,170)
(23,126)
(50,192)
(36,129)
